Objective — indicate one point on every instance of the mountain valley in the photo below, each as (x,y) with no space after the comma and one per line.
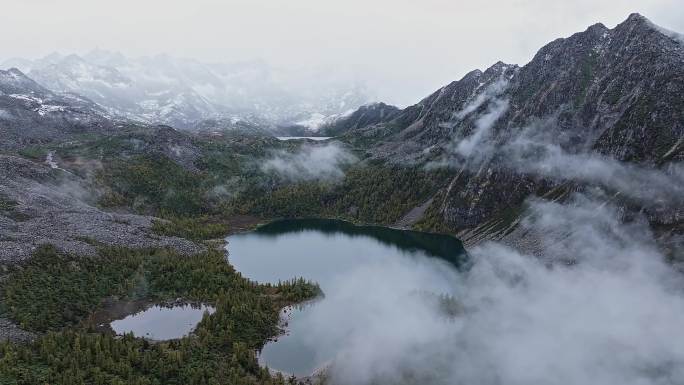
(154,161)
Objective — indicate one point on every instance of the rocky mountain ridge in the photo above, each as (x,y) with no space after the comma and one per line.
(588,110)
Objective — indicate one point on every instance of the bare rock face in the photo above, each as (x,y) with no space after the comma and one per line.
(612,94)
(40,204)
(9,331)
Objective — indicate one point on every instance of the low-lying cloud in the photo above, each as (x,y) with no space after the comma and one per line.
(611,316)
(310,162)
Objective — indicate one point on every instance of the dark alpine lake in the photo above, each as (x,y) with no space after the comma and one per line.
(354,265)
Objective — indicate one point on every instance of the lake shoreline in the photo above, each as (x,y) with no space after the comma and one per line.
(280,250)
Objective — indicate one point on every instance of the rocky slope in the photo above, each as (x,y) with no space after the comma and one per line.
(600,108)
(44,203)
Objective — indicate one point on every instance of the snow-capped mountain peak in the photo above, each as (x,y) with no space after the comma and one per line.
(184,92)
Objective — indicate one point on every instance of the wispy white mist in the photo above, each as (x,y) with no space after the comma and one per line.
(538,149)
(647,185)
(483,125)
(310,162)
(476,145)
(493,90)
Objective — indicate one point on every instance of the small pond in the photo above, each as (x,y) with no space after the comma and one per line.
(161,322)
(359,269)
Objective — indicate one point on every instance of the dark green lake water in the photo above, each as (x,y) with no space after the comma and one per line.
(356,266)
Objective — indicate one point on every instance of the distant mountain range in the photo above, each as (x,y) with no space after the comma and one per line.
(185,93)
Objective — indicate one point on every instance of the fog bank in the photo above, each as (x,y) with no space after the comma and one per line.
(602,308)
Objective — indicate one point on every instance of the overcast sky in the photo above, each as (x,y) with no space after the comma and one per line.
(406,49)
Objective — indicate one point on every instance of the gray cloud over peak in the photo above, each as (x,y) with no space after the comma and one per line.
(404,49)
